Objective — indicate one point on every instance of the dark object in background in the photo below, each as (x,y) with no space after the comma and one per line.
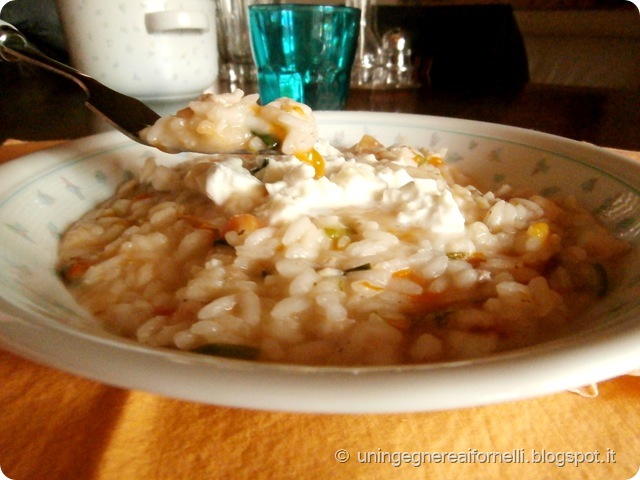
(32,96)
(38,20)
(463,48)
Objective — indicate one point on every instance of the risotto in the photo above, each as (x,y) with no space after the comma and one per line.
(231,122)
(386,256)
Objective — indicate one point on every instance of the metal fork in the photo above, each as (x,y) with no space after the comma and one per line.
(126,114)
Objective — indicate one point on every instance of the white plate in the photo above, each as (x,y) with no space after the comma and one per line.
(42,193)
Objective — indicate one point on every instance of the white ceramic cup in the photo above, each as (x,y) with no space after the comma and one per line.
(151,49)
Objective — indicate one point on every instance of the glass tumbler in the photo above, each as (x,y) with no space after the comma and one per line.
(304,52)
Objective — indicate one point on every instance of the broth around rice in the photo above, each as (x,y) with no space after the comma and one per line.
(389,257)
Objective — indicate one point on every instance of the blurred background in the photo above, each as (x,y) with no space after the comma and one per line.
(593,43)
(577,62)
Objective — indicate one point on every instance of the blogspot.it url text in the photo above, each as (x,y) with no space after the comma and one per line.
(472,455)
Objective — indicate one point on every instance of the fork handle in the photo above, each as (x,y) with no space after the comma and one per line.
(14,47)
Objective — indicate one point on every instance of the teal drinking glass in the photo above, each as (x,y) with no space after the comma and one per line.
(304,52)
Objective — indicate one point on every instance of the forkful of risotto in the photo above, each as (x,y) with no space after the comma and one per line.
(234,122)
(214,123)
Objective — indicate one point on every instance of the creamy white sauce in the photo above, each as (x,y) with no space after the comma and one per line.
(233,187)
(287,190)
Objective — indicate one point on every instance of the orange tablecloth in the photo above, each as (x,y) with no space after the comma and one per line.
(57,426)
